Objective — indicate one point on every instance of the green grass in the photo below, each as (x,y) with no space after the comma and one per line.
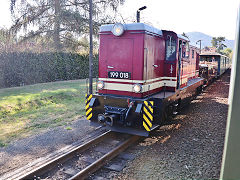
(29,109)
(68,128)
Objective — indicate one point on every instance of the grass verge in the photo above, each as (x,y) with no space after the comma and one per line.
(28,109)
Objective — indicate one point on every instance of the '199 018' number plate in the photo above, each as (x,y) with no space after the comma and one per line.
(119,75)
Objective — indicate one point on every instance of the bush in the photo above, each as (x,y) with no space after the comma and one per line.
(18,69)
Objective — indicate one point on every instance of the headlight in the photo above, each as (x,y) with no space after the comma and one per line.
(100,85)
(118,29)
(137,88)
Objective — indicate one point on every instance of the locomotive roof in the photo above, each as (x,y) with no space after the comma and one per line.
(133,26)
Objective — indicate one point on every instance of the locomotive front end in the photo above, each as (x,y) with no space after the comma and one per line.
(121,114)
(122,100)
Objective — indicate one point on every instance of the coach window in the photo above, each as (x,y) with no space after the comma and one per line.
(187,50)
(170,48)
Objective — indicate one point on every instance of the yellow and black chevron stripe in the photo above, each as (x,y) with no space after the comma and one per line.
(88,109)
(147,114)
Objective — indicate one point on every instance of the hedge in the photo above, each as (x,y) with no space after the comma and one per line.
(17,69)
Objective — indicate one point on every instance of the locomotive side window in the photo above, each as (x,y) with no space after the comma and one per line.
(170,48)
(183,54)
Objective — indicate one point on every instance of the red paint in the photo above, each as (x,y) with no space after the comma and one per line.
(144,56)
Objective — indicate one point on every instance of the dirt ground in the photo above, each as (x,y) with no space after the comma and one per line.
(190,148)
(24,151)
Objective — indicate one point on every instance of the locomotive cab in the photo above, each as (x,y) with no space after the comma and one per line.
(143,73)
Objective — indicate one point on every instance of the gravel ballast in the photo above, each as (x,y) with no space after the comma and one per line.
(189,148)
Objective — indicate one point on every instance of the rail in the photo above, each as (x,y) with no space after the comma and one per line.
(51,165)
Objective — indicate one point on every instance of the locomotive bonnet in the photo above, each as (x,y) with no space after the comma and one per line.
(145,74)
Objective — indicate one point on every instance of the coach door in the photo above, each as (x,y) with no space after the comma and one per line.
(120,64)
(179,65)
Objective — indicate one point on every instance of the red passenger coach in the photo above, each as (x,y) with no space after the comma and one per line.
(145,74)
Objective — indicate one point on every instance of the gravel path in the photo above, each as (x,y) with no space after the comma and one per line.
(190,148)
(26,150)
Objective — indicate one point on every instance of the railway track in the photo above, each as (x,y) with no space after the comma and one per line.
(80,161)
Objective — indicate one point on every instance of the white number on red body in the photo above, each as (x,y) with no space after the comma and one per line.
(114,74)
(119,75)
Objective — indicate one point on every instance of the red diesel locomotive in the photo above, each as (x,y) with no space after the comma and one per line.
(145,74)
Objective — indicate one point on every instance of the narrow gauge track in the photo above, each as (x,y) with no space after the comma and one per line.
(55,168)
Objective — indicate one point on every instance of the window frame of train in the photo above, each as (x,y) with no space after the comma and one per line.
(231,157)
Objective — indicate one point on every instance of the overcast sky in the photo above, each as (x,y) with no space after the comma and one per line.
(212,17)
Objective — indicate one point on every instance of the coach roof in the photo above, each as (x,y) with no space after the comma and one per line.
(183,37)
(133,26)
